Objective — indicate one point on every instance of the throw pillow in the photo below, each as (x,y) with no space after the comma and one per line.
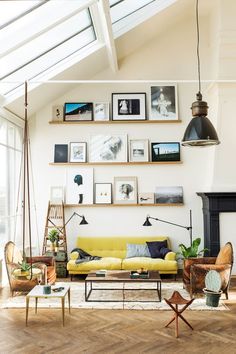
(164,251)
(155,246)
(135,250)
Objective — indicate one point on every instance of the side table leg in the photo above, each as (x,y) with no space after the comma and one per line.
(36,305)
(27,310)
(63,310)
(69,299)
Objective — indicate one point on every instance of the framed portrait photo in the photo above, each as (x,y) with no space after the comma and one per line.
(129,106)
(75,112)
(79,185)
(165,151)
(78,152)
(108,148)
(169,195)
(138,150)
(164,103)
(103,193)
(57,113)
(56,194)
(101,111)
(125,190)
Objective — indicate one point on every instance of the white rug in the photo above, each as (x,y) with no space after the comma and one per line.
(78,301)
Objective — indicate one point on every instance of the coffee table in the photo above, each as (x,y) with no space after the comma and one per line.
(37,292)
(121,276)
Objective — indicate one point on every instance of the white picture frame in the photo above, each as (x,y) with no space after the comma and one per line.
(57,113)
(79,186)
(57,194)
(103,193)
(125,190)
(101,111)
(164,102)
(139,150)
(78,152)
(108,148)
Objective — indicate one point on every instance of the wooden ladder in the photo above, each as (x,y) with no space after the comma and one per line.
(55,220)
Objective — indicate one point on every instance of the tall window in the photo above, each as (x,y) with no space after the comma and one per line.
(10,160)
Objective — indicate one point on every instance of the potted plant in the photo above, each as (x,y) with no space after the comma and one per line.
(213,288)
(53,237)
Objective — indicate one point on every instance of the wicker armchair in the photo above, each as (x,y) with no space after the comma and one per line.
(13,256)
(197,268)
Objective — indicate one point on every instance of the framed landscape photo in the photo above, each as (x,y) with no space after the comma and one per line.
(57,113)
(125,190)
(164,103)
(129,106)
(165,151)
(78,152)
(56,194)
(138,150)
(61,153)
(79,185)
(103,193)
(168,195)
(108,148)
(75,112)
(101,111)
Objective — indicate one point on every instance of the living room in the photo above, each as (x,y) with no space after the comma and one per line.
(134,54)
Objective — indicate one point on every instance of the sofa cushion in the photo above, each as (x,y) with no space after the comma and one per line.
(164,251)
(149,264)
(74,255)
(108,263)
(155,246)
(135,250)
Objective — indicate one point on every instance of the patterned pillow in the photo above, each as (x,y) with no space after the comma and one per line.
(134,250)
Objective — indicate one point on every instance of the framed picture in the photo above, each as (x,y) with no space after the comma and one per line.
(57,113)
(101,111)
(125,190)
(138,150)
(56,194)
(164,103)
(78,152)
(168,195)
(103,193)
(61,153)
(108,148)
(79,186)
(146,198)
(165,151)
(82,111)
(128,106)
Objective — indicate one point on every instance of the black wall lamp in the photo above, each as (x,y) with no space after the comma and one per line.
(200,131)
(189,228)
(82,222)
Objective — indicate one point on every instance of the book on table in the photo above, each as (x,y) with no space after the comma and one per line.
(134,274)
(101,273)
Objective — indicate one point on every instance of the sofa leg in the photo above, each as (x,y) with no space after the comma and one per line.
(71,277)
(175,277)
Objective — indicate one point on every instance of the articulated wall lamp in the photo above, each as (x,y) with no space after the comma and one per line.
(82,222)
(200,131)
(189,228)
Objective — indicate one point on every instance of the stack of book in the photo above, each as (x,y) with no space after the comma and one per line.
(101,273)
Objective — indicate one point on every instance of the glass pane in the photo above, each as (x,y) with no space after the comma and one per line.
(11,9)
(3,131)
(125,8)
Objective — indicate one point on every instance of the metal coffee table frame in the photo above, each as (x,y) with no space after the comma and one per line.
(121,277)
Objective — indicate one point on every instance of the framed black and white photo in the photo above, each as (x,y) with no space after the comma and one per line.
(146,198)
(82,111)
(128,106)
(103,193)
(101,111)
(164,103)
(61,153)
(165,151)
(125,190)
(57,113)
(79,185)
(169,195)
(56,194)
(78,152)
(108,148)
(138,150)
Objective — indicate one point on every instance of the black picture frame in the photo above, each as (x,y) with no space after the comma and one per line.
(60,153)
(129,106)
(165,151)
(78,111)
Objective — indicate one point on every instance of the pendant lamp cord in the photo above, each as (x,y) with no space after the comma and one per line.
(198,55)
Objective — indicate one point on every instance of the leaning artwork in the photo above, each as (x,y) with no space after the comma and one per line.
(79,186)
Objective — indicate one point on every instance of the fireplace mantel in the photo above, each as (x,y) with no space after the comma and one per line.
(215,203)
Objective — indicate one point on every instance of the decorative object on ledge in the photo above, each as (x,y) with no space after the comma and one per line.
(164,102)
(165,151)
(200,131)
(189,228)
(129,106)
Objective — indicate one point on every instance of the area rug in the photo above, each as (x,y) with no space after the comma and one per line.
(78,300)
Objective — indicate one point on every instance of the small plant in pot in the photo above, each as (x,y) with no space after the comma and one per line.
(213,288)
(53,237)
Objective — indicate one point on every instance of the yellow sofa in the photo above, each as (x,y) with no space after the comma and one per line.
(113,253)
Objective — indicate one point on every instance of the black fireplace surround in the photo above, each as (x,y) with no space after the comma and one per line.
(215,203)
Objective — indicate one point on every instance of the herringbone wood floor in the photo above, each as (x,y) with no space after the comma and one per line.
(117,331)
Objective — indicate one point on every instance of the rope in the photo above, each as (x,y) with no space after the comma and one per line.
(198,55)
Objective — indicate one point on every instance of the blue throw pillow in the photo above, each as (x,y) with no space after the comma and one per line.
(134,250)
(155,246)
(164,251)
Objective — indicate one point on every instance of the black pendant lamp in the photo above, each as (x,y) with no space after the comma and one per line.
(200,131)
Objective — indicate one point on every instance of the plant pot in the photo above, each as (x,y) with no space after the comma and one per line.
(52,246)
(212,297)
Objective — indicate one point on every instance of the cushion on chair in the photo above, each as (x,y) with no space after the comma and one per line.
(225,255)
(135,250)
